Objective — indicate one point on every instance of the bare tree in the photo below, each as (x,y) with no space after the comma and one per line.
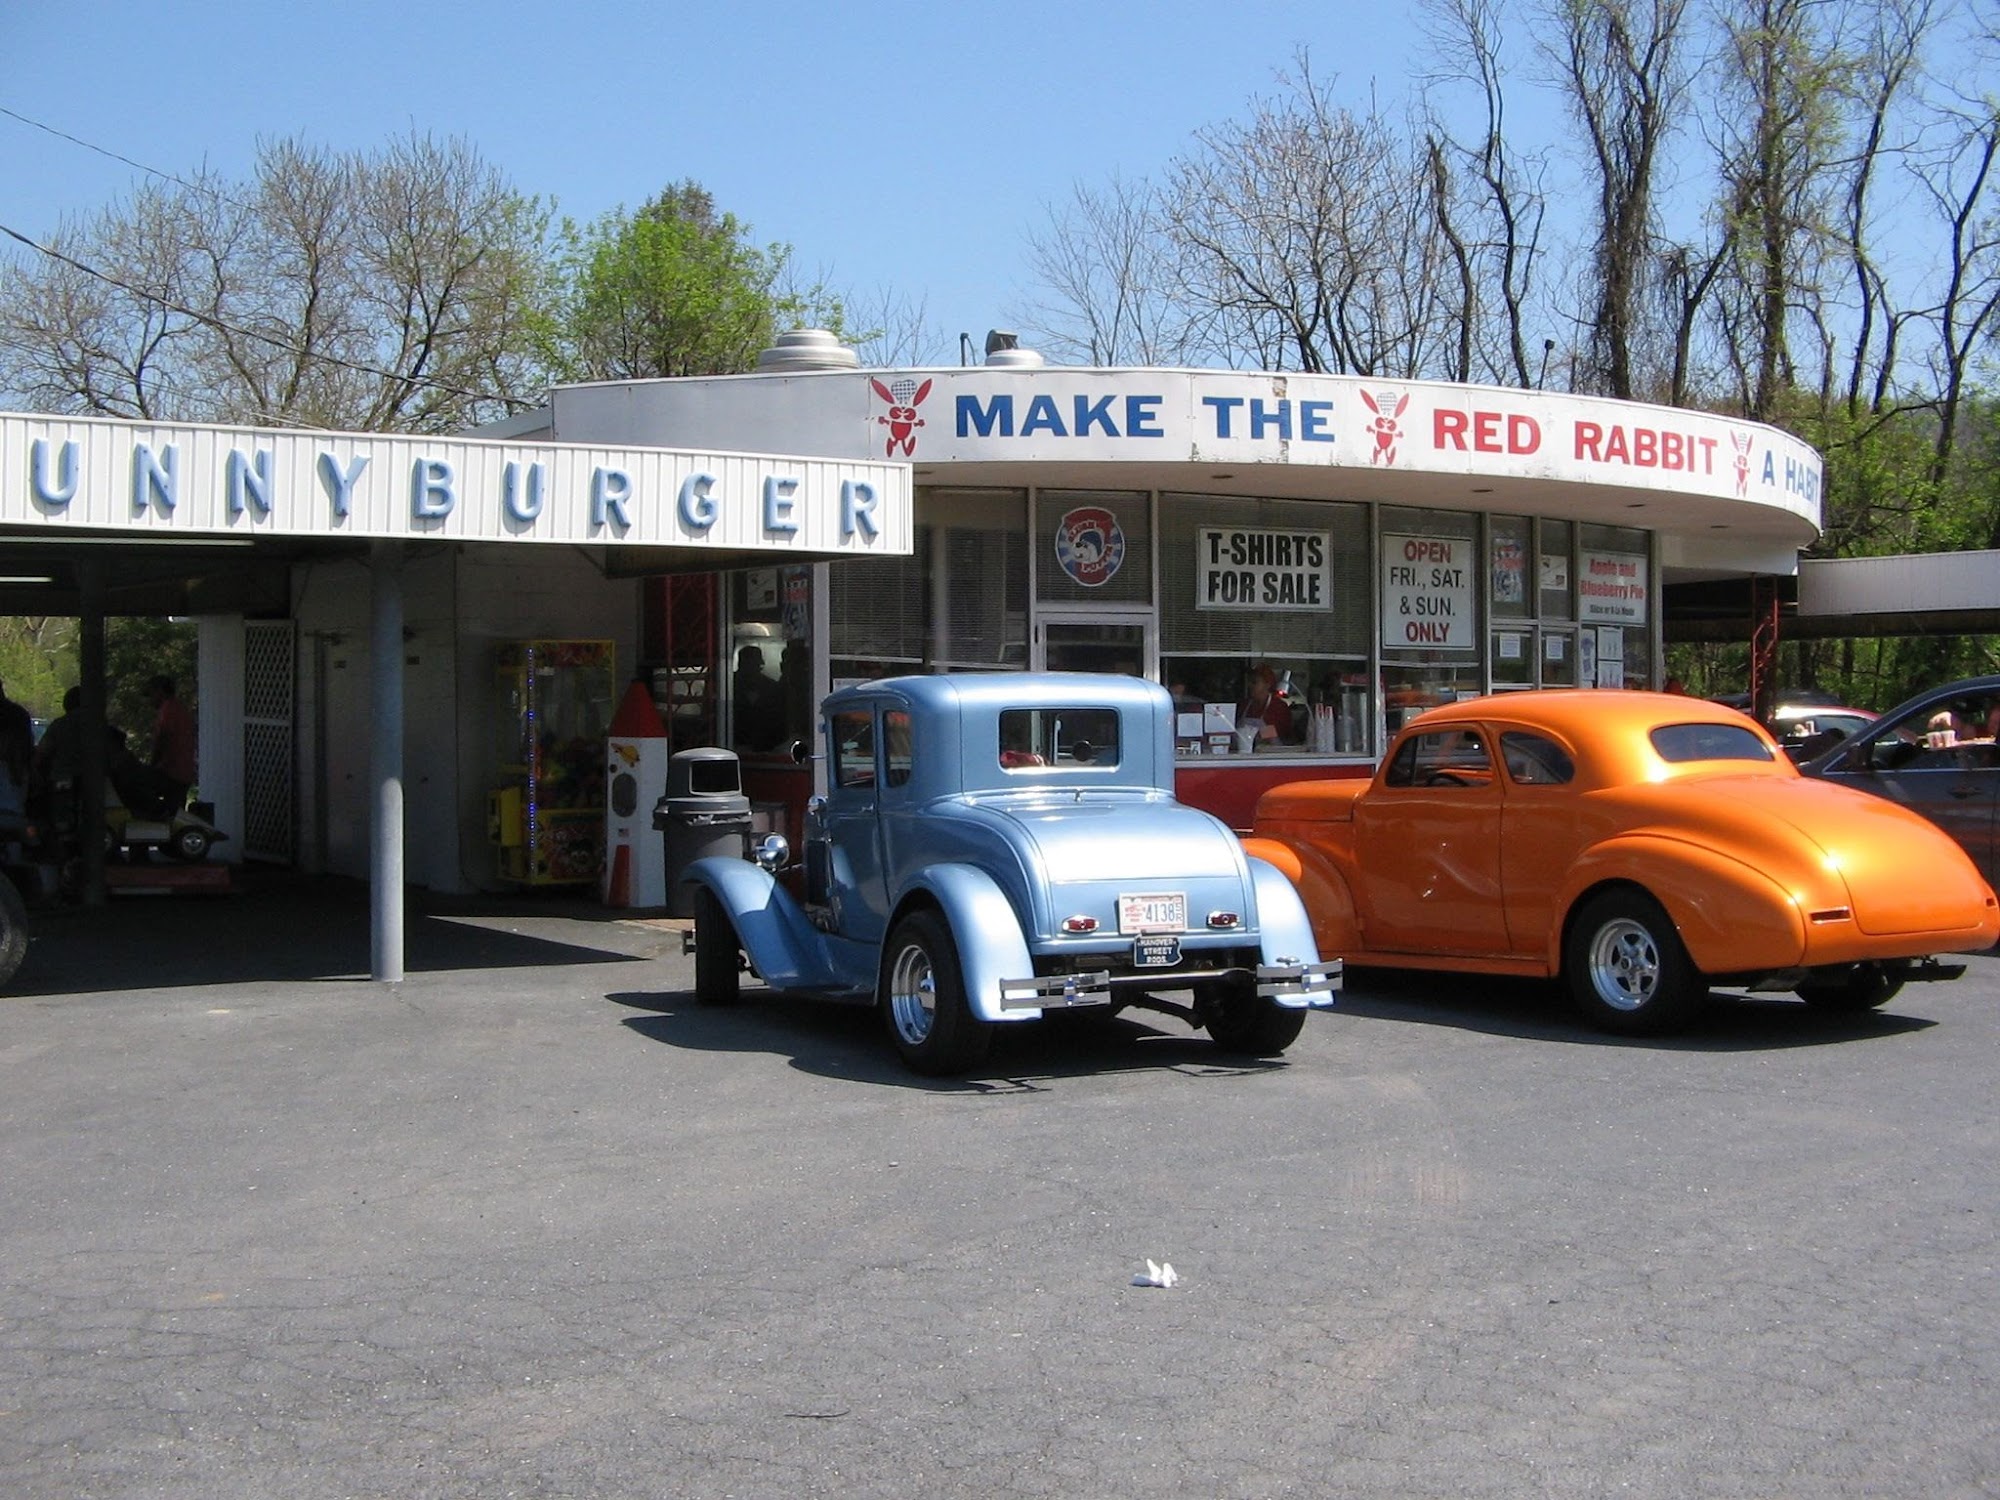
(1620,66)
(1497,255)
(1103,263)
(392,291)
(1295,228)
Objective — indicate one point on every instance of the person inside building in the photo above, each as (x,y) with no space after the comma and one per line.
(1265,708)
(162,783)
(17,751)
(759,703)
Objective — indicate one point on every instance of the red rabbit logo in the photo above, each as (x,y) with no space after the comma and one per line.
(904,397)
(1385,426)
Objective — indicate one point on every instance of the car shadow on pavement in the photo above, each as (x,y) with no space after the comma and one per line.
(833,1040)
(1539,1009)
(284,927)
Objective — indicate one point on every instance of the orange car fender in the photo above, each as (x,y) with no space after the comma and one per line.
(1329,903)
(1732,918)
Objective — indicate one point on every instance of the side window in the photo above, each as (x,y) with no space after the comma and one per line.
(853,748)
(1535,761)
(896,737)
(1448,757)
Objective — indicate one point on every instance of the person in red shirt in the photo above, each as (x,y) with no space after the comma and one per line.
(169,772)
(1265,708)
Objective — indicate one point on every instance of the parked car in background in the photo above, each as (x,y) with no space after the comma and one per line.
(1806,721)
(1641,846)
(1937,754)
(995,846)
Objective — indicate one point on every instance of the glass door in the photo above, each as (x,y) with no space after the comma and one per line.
(1093,642)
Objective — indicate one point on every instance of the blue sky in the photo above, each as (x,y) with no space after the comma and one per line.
(892,145)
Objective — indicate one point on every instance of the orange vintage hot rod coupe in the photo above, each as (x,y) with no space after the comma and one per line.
(1643,846)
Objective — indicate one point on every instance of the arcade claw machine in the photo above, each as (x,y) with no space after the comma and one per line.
(546,815)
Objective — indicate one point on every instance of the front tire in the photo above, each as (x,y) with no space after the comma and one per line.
(922,998)
(717,968)
(1627,969)
(189,845)
(1241,1020)
(1857,987)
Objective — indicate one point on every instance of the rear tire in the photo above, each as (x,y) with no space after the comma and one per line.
(1627,970)
(1858,987)
(1242,1021)
(921,995)
(717,967)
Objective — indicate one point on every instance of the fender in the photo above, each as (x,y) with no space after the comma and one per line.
(986,932)
(1328,901)
(787,951)
(1732,918)
(1282,924)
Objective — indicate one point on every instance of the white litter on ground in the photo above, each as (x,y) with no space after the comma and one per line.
(1157,1273)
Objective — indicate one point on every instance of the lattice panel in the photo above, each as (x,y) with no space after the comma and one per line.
(269,673)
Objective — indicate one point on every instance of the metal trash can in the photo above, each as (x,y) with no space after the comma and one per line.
(703,813)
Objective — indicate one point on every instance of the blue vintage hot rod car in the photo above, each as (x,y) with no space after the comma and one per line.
(994,846)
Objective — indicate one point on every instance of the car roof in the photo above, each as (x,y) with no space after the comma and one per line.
(1609,727)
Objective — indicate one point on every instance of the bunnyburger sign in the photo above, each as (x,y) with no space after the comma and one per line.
(61,475)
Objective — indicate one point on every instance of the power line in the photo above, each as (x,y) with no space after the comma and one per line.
(209,320)
(106,151)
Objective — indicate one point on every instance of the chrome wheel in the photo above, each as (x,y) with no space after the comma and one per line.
(913,995)
(1624,964)
(1626,967)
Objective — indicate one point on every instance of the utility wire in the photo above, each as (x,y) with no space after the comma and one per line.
(513,403)
(211,321)
(76,140)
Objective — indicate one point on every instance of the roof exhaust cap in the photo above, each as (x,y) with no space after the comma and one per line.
(807,349)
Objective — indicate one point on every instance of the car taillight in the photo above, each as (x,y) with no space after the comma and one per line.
(1223,919)
(1079,924)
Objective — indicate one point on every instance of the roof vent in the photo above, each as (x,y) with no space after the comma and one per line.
(807,349)
(1014,359)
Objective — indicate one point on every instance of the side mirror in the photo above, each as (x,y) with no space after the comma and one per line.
(802,752)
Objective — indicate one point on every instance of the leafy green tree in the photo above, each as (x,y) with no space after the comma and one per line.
(675,288)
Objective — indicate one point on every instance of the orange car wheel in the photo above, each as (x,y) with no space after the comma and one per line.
(1857,987)
(1626,967)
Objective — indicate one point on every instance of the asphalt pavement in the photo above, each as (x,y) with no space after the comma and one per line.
(531,1223)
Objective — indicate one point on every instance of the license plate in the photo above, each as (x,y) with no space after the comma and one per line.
(1154,912)
(1160,950)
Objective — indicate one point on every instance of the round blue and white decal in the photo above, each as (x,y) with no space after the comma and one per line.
(1090,545)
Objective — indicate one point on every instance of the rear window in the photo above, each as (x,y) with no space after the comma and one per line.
(1031,737)
(1683,743)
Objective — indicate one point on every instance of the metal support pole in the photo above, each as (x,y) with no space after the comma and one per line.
(92,761)
(385,759)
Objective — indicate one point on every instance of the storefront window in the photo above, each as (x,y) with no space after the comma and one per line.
(1093,547)
(1552,571)
(1614,591)
(958,603)
(770,657)
(1281,584)
(1432,643)
(1511,546)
